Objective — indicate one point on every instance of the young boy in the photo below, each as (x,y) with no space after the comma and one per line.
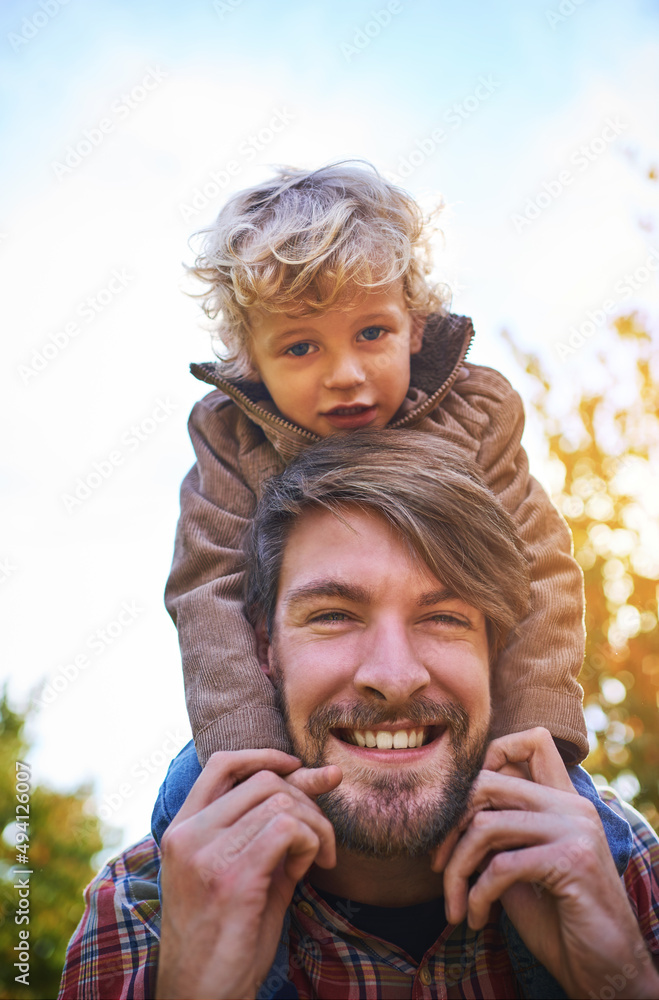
(320,283)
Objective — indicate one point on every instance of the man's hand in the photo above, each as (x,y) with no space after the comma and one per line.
(541,849)
(247,832)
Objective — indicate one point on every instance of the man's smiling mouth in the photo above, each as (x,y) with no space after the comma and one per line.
(390,739)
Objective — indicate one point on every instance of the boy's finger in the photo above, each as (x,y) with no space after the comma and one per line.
(226,769)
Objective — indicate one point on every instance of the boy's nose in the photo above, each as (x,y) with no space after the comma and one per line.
(345,373)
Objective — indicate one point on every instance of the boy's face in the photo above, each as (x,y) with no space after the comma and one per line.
(338,370)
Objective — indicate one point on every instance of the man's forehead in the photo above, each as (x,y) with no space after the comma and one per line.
(348,553)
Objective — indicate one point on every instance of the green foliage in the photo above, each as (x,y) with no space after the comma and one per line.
(604,443)
(63,838)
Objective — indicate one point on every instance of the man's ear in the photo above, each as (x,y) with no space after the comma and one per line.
(416,333)
(263,649)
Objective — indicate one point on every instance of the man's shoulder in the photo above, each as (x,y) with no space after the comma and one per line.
(114,950)
(641,829)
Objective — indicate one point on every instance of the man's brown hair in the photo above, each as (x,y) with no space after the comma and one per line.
(433,498)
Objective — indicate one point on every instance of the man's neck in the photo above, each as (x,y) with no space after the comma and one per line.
(391,882)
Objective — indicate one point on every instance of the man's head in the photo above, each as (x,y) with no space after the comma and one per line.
(384,578)
(320,283)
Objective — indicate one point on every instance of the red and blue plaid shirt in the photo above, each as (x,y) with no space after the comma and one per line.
(114,952)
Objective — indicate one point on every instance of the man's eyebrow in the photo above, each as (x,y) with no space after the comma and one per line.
(436,597)
(327,588)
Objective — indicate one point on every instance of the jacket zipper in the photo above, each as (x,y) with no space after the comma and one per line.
(270,418)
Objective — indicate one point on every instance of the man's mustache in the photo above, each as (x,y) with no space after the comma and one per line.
(420,712)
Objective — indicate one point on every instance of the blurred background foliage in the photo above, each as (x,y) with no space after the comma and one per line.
(603,441)
(64,837)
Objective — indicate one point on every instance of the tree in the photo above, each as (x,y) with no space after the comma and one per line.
(604,447)
(62,838)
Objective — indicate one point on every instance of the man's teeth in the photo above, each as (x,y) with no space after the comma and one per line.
(402,739)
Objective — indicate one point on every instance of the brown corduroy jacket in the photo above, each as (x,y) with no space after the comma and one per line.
(240,440)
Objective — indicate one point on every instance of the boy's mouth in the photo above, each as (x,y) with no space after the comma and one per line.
(351,417)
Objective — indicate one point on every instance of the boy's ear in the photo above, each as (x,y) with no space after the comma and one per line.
(416,333)
(263,648)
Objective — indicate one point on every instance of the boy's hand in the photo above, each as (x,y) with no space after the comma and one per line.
(247,832)
(541,849)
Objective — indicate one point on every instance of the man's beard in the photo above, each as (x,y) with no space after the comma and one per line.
(387,815)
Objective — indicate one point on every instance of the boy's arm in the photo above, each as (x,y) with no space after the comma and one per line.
(230,701)
(535,679)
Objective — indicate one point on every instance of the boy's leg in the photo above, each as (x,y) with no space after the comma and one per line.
(617,830)
(181,776)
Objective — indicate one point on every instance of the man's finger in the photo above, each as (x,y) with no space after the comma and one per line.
(501,791)
(313,781)
(224,770)
(536,749)
(225,812)
(224,850)
(501,831)
(284,838)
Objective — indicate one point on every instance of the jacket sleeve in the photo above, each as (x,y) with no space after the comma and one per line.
(230,700)
(534,682)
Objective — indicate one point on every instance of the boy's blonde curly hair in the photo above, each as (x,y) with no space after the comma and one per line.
(306,241)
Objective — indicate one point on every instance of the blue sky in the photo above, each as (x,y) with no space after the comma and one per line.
(532,94)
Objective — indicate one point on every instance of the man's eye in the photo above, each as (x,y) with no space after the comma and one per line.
(330,616)
(443,618)
(372,332)
(299,350)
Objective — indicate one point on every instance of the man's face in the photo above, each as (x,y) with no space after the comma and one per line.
(338,370)
(369,648)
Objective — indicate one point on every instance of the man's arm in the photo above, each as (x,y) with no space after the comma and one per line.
(230,861)
(540,848)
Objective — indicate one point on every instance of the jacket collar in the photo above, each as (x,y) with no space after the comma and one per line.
(446,341)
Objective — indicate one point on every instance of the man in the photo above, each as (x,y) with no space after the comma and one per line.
(380,600)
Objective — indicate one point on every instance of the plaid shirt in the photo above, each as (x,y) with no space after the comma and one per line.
(114,952)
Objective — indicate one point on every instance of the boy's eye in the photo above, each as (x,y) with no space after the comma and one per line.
(330,616)
(299,350)
(371,332)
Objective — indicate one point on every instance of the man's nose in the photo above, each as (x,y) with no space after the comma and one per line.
(345,372)
(390,669)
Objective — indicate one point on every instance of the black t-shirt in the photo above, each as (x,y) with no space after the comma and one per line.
(412,928)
